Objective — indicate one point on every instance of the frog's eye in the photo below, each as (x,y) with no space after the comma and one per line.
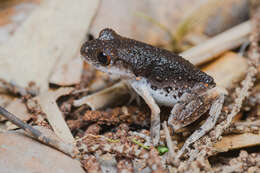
(103,59)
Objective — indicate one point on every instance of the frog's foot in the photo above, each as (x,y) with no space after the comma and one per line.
(214,113)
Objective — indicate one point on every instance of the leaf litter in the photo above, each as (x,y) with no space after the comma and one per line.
(112,134)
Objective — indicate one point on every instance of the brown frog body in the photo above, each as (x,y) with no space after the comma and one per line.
(160,77)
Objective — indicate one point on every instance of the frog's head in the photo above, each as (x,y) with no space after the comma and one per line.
(102,53)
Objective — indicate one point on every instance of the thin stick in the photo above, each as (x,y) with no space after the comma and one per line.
(215,46)
(61,146)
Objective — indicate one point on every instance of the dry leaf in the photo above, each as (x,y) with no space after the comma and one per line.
(19,153)
(53,31)
(18,108)
(223,71)
(12,15)
(5,99)
(107,97)
(231,142)
(49,106)
(68,74)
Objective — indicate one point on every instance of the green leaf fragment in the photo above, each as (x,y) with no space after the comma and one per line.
(162,149)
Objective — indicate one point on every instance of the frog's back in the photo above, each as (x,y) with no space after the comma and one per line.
(160,67)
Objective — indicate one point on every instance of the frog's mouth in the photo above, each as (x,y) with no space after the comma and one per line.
(112,70)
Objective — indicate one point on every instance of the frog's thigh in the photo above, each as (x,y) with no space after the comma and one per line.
(214,113)
(182,112)
(155,110)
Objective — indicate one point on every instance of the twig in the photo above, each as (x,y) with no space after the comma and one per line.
(59,145)
(218,44)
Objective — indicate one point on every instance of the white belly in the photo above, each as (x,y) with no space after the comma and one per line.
(163,98)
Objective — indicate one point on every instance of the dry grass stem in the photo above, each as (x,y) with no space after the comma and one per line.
(215,46)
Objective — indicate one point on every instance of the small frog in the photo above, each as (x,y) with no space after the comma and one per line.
(160,77)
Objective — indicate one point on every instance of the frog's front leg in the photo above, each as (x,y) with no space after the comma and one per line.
(142,90)
(217,94)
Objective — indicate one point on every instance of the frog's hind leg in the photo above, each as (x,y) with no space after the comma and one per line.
(214,113)
(142,90)
(187,110)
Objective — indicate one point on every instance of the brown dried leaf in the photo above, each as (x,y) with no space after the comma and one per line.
(68,74)
(12,14)
(19,152)
(231,142)
(49,106)
(18,108)
(60,30)
(5,99)
(107,97)
(223,71)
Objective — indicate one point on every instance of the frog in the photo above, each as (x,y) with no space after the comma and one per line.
(161,78)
